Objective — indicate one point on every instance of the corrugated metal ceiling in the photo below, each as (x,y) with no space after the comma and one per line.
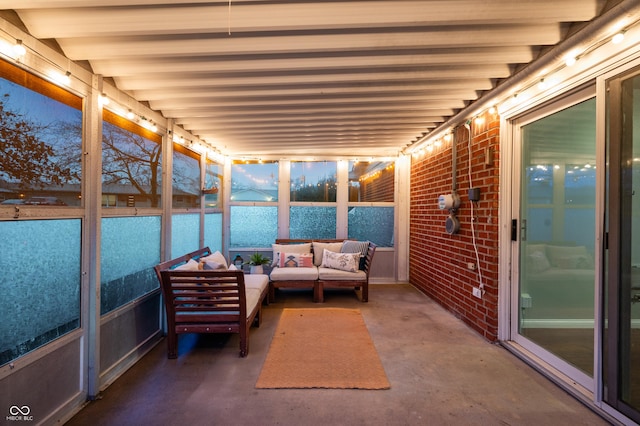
(305,78)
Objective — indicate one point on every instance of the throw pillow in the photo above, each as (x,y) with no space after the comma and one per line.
(362,247)
(211,265)
(216,257)
(295,260)
(342,261)
(288,248)
(319,248)
(191,265)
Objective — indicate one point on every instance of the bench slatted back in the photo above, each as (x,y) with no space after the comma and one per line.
(204,296)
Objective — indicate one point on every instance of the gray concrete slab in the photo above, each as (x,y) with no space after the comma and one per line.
(441,373)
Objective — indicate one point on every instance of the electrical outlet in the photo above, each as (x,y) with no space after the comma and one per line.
(471,266)
(477,292)
(525,301)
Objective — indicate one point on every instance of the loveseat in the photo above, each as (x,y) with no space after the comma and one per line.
(320,264)
(204,295)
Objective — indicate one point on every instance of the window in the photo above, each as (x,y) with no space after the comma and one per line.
(372,224)
(254,182)
(131,177)
(314,181)
(186,178)
(213,231)
(371,181)
(253,226)
(131,163)
(254,213)
(371,213)
(40,263)
(185,234)
(213,178)
(312,222)
(40,141)
(130,248)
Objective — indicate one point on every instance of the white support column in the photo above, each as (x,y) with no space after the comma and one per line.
(402,215)
(167,192)
(284,191)
(226,209)
(92,198)
(342,200)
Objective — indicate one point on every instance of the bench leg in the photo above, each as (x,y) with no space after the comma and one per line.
(244,340)
(172,345)
(257,321)
(318,292)
(272,293)
(365,293)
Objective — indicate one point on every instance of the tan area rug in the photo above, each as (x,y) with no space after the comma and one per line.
(322,348)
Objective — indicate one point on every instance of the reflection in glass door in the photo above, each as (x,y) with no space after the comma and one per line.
(622,343)
(557,237)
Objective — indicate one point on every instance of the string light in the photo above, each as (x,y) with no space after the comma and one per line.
(103,99)
(618,38)
(542,84)
(570,60)
(19,49)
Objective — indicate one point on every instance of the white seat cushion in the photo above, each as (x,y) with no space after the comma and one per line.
(294,274)
(256,281)
(330,274)
(253,298)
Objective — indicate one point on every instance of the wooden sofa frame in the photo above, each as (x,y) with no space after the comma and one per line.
(205,301)
(318,285)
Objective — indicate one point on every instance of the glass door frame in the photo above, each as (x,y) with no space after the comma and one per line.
(617,229)
(539,355)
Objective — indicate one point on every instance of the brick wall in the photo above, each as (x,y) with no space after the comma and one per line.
(438,261)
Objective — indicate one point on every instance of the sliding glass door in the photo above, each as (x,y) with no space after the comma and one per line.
(555,234)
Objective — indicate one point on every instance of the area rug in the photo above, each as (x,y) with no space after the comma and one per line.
(322,348)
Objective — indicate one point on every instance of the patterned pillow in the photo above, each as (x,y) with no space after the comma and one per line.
(288,248)
(342,261)
(295,260)
(362,247)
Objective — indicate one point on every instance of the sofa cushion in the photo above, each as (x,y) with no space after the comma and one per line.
(295,260)
(294,274)
(253,299)
(343,261)
(256,281)
(289,248)
(319,248)
(330,274)
(569,257)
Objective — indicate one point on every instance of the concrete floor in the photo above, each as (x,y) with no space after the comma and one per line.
(441,373)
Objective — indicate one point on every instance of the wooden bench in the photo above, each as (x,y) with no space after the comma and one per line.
(209,301)
(325,277)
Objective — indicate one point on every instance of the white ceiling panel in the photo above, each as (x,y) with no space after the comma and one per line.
(283,78)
